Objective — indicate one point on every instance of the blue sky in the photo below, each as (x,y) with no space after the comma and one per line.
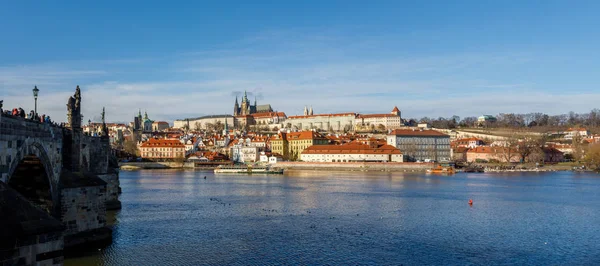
(179,59)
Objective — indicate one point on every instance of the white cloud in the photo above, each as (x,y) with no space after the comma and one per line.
(319,71)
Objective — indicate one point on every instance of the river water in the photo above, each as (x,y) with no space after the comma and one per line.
(174,217)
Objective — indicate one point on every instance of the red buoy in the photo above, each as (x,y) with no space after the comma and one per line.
(470,202)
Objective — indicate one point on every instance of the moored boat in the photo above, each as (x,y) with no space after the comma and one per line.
(248,169)
(439,169)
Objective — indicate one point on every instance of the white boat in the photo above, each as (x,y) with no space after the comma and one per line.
(247,169)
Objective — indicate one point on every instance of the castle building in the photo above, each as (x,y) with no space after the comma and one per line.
(247,109)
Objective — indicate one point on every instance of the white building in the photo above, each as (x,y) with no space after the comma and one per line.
(244,154)
(204,121)
(337,122)
(421,144)
(352,152)
(389,121)
(573,132)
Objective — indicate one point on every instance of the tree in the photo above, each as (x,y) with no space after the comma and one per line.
(209,126)
(468,121)
(180,159)
(592,157)
(219,126)
(129,146)
(381,128)
(579,147)
(197,126)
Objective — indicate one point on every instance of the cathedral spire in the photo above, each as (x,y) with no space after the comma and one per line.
(236,107)
(310,111)
(305,110)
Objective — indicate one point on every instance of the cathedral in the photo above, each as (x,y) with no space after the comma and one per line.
(247,109)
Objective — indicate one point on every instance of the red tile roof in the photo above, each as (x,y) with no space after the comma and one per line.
(351,148)
(162,143)
(377,115)
(269,114)
(396,109)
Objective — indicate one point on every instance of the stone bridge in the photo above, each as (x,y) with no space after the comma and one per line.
(56,185)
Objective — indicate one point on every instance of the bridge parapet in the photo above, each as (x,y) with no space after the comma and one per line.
(20,137)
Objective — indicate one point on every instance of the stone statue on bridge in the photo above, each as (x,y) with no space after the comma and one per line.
(74,109)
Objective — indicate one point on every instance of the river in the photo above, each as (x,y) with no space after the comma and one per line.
(177,217)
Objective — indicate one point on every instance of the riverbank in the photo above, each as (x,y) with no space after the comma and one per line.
(325,166)
(132,166)
(531,167)
(356,166)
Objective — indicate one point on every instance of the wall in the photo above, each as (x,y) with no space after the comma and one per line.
(83,208)
(112,190)
(351,157)
(356,166)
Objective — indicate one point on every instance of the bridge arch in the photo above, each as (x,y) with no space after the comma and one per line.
(32,174)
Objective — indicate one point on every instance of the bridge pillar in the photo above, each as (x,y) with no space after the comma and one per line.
(30,236)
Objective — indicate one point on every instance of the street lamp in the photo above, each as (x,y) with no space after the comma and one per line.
(35,95)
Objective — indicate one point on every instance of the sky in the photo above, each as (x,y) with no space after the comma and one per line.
(179,59)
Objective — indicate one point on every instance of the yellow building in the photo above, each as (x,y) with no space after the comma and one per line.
(291,145)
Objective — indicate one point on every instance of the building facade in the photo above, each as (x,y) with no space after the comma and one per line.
(324,122)
(291,145)
(393,120)
(421,145)
(352,152)
(162,149)
(204,122)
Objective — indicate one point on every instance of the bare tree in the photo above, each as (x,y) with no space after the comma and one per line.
(129,146)
(592,157)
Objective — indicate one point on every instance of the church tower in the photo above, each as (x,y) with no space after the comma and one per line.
(305,110)
(310,111)
(396,111)
(225,128)
(245,105)
(236,108)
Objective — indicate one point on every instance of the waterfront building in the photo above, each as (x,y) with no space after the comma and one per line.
(324,122)
(421,145)
(492,153)
(393,120)
(352,152)
(290,145)
(162,149)
(243,154)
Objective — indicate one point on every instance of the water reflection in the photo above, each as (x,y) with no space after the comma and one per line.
(309,217)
